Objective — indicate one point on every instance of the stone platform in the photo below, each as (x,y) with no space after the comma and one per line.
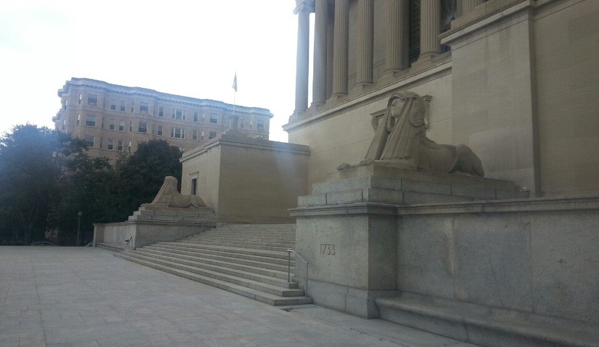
(150,224)
(389,185)
(377,237)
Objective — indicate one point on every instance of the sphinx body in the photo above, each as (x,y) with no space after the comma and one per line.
(169,196)
(400,141)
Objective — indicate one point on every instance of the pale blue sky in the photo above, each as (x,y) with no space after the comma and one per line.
(190,48)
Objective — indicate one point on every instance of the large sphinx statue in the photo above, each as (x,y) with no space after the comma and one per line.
(400,141)
(169,196)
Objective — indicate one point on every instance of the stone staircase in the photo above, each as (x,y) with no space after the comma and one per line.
(250,260)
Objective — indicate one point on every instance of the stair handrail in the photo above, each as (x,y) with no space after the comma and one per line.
(289,251)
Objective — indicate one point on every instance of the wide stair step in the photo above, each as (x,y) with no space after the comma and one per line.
(251,260)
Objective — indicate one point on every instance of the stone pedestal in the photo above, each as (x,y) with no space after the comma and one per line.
(245,180)
(347,229)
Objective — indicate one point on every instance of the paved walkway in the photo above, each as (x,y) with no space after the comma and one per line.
(58,297)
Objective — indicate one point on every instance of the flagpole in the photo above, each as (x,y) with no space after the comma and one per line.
(234,100)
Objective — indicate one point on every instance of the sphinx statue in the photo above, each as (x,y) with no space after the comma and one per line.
(169,196)
(400,141)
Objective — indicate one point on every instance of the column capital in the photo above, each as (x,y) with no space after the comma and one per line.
(303,6)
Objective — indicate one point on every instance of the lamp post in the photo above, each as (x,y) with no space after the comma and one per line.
(78,226)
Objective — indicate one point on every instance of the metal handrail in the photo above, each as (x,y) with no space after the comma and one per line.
(289,251)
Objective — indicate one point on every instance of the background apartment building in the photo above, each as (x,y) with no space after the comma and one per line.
(113,118)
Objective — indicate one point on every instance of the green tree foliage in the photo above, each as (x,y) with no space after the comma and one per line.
(140,176)
(46,178)
(31,164)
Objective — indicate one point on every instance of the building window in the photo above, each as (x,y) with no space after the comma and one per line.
(178,133)
(212,135)
(196,116)
(110,144)
(161,112)
(119,146)
(123,106)
(101,140)
(143,127)
(214,118)
(89,141)
(113,105)
(178,114)
(130,126)
(122,125)
(251,124)
(129,147)
(194,186)
(159,131)
(92,100)
(90,121)
(242,124)
(202,136)
(111,124)
(64,124)
(143,108)
(195,135)
(80,97)
(132,107)
(78,119)
(260,125)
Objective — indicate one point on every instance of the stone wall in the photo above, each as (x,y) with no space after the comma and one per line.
(540,262)
(344,134)
(247,180)
(518,86)
(566,48)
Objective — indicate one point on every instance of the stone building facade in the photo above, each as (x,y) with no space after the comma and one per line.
(515,80)
(113,118)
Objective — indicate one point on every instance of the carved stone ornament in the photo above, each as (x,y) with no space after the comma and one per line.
(400,141)
(169,196)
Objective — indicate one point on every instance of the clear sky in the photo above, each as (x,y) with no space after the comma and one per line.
(191,48)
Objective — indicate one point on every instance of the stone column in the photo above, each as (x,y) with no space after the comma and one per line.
(320,53)
(365,42)
(430,28)
(397,49)
(303,10)
(340,47)
(469,5)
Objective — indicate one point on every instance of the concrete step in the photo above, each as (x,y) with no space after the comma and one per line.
(238,289)
(478,325)
(110,247)
(226,236)
(238,250)
(263,246)
(224,257)
(251,260)
(254,283)
(192,248)
(219,265)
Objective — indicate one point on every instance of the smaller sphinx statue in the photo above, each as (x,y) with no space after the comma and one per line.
(169,196)
(400,141)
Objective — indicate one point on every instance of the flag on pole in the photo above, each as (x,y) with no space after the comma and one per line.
(235,82)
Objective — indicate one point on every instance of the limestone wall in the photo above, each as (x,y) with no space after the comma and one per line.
(519,87)
(540,263)
(566,38)
(344,137)
(247,180)
(206,168)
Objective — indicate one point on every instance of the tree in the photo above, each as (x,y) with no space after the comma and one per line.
(46,178)
(31,161)
(140,176)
